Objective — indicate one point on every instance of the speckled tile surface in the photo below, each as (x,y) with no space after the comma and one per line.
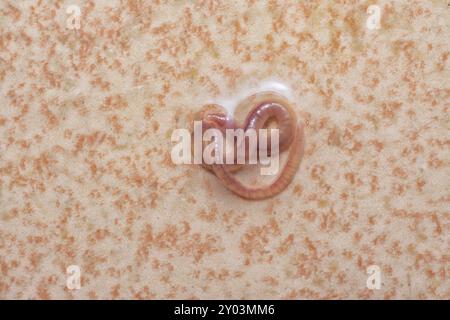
(86,177)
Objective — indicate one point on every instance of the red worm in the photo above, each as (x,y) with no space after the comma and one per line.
(266,106)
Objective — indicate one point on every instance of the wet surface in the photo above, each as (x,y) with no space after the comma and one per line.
(86,177)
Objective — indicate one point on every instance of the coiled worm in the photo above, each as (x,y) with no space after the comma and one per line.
(265,106)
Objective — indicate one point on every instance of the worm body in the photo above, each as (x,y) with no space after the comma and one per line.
(265,106)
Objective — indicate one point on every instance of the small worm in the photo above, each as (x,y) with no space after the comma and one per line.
(266,105)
